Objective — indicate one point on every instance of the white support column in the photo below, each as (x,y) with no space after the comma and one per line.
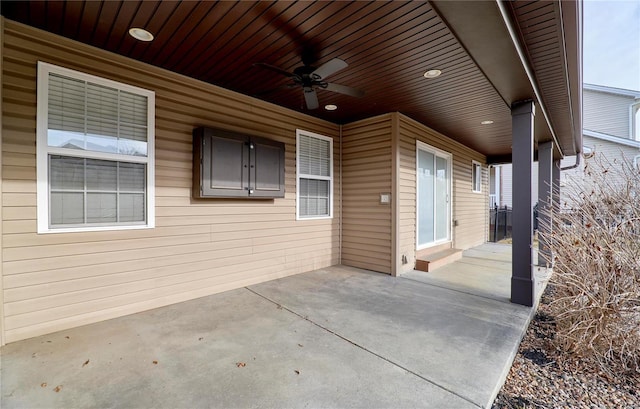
(522,280)
(545,170)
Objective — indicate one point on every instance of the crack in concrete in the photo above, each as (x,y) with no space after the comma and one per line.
(306,318)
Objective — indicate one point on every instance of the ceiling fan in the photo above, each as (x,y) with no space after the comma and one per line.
(311,78)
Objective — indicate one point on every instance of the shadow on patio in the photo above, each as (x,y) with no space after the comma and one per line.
(335,337)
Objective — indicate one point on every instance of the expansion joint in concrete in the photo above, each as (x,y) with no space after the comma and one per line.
(306,318)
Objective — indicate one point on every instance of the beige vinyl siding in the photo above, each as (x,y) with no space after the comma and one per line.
(607,113)
(2,162)
(469,209)
(366,172)
(199,247)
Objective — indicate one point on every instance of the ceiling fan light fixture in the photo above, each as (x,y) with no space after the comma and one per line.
(487,122)
(432,73)
(140,34)
(330,107)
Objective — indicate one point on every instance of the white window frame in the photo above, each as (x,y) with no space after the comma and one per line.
(299,133)
(476,172)
(44,150)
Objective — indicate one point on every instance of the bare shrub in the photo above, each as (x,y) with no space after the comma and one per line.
(596,242)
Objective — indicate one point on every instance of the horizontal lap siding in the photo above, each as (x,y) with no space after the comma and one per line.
(606,112)
(366,172)
(199,247)
(469,209)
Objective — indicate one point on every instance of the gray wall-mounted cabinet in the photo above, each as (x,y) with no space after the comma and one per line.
(232,165)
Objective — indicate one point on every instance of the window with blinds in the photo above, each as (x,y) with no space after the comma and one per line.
(314,175)
(95,152)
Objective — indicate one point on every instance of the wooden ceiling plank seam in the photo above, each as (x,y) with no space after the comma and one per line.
(163,29)
(71,13)
(523,7)
(156,22)
(538,28)
(122,24)
(379,29)
(231,46)
(405,46)
(541,24)
(546,43)
(88,21)
(333,50)
(107,17)
(539,36)
(443,86)
(143,15)
(228,27)
(95,25)
(218,55)
(184,32)
(200,44)
(349,20)
(343,26)
(233,76)
(389,56)
(285,47)
(112,26)
(55,14)
(170,32)
(264,44)
(36,16)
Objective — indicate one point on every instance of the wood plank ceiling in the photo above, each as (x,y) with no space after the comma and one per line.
(388,46)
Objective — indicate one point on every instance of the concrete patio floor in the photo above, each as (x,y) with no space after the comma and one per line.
(338,337)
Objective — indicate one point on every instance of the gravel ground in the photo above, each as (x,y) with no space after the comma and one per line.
(542,376)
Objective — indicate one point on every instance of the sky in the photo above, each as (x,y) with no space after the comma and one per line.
(611,43)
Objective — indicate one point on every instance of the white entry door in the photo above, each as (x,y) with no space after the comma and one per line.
(433,196)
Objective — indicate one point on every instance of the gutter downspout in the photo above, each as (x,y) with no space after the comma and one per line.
(578,155)
(341,203)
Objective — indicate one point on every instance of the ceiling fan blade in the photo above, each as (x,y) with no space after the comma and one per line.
(343,89)
(328,68)
(311,98)
(273,68)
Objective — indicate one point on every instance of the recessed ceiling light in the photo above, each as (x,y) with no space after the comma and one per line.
(330,107)
(432,73)
(488,122)
(140,34)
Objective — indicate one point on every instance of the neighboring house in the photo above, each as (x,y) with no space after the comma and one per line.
(611,132)
(111,207)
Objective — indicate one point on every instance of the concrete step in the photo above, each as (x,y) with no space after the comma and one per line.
(439,259)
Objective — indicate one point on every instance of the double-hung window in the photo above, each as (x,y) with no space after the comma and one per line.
(476,177)
(95,153)
(314,165)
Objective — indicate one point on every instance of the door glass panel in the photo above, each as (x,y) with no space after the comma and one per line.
(441,200)
(425,176)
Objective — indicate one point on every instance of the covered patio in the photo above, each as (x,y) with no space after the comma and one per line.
(333,337)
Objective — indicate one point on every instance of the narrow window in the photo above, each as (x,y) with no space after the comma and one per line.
(314,170)
(95,153)
(476,177)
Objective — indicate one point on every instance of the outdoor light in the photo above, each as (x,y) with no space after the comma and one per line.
(488,122)
(432,73)
(140,34)
(330,107)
